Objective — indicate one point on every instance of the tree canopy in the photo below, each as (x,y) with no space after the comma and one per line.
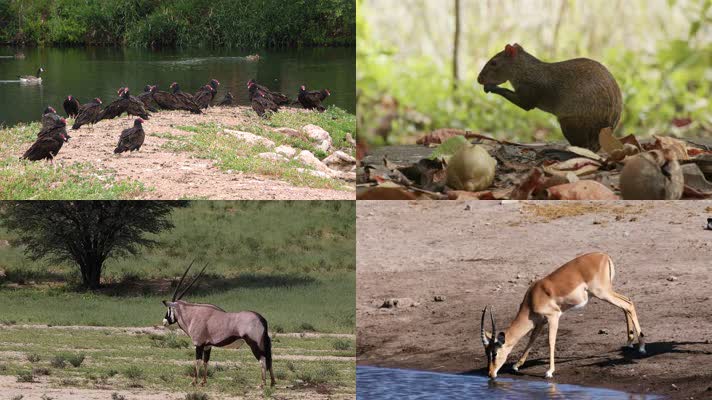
(86,232)
(173,23)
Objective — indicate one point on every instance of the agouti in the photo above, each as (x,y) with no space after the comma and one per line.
(581,92)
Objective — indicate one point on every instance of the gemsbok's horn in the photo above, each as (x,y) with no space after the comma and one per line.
(180,296)
(175,293)
(485,342)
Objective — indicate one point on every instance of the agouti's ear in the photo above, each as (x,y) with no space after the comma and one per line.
(510,51)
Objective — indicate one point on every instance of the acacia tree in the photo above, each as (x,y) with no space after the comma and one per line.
(86,232)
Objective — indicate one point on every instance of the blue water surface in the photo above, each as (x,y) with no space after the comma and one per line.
(374,383)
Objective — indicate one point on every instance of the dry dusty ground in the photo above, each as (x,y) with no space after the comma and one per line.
(489,254)
(177,175)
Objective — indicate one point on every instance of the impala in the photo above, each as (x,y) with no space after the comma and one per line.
(566,288)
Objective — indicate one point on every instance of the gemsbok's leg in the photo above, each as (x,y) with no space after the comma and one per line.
(198,360)
(553,321)
(206,358)
(534,334)
(257,352)
(271,376)
(626,305)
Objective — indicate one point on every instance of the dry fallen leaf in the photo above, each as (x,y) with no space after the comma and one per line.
(608,142)
(678,147)
(581,190)
(579,166)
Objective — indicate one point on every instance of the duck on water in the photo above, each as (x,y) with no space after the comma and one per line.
(32,78)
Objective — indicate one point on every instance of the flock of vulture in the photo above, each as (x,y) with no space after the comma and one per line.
(53,133)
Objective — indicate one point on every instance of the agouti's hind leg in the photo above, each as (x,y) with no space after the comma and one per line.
(580,133)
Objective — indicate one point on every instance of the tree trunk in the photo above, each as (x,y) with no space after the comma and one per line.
(91,273)
(456,48)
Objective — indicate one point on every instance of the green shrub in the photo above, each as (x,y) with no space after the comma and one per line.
(25,376)
(133,372)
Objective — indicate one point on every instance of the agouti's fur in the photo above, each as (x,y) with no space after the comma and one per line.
(581,92)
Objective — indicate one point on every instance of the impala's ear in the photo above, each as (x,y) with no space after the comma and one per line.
(511,51)
(500,338)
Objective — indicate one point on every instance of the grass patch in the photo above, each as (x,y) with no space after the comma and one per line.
(133,372)
(334,120)
(231,155)
(25,376)
(170,341)
(58,361)
(197,396)
(235,372)
(33,358)
(342,344)
(116,396)
(39,180)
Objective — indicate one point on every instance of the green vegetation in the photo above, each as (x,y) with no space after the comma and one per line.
(405,65)
(234,372)
(27,180)
(294,262)
(211,142)
(149,23)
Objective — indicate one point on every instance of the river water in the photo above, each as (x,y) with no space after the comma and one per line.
(399,384)
(98,72)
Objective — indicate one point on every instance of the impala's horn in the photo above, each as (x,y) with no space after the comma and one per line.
(485,342)
(175,293)
(494,328)
(180,296)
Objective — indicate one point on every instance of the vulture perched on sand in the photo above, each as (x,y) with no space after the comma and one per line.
(261,103)
(204,96)
(47,146)
(227,101)
(164,100)
(186,100)
(132,138)
(88,113)
(211,88)
(52,123)
(71,106)
(147,99)
(312,99)
(278,98)
(126,103)
(47,118)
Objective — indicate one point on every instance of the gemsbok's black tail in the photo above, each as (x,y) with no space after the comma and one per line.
(268,350)
(267,343)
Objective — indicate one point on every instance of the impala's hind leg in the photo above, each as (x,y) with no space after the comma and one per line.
(198,361)
(627,306)
(206,358)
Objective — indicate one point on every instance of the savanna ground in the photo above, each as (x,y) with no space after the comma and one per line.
(475,254)
(183,156)
(297,270)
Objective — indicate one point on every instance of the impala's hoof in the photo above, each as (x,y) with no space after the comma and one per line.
(515,368)
(549,375)
(641,350)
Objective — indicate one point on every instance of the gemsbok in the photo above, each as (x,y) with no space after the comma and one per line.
(209,325)
(546,299)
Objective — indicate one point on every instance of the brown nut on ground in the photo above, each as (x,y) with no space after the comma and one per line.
(654,175)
